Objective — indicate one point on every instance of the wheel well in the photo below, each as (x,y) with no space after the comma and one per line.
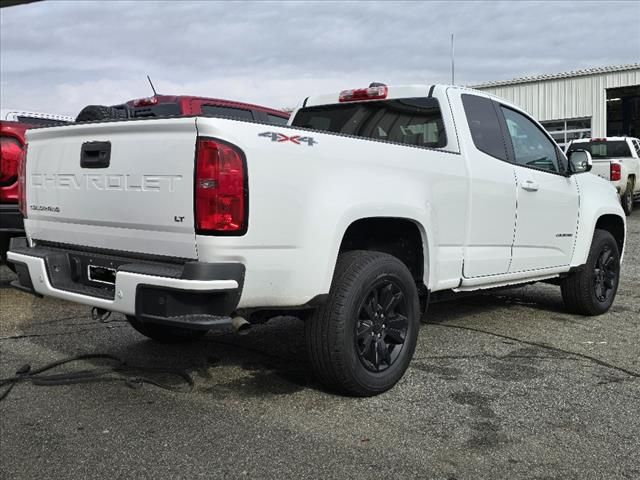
(396,236)
(615,226)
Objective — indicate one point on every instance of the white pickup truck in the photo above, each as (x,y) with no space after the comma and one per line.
(616,159)
(369,202)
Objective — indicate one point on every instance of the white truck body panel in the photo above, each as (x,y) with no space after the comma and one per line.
(130,206)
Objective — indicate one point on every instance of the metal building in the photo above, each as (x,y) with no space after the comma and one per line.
(597,102)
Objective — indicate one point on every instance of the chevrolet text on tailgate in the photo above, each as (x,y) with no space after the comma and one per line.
(367,205)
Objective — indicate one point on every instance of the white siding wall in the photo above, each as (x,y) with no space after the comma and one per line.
(564,98)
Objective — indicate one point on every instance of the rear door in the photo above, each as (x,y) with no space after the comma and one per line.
(547,212)
(492,215)
(122,186)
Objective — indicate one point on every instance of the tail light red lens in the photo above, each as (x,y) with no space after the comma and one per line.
(614,173)
(10,154)
(221,200)
(22,182)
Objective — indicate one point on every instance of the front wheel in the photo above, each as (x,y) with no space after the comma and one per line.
(627,199)
(362,339)
(164,333)
(591,290)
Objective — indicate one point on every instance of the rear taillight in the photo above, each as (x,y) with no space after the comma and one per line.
(614,172)
(22,182)
(221,201)
(10,154)
(371,93)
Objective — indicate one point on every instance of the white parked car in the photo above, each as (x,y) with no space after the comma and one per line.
(616,159)
(370,201)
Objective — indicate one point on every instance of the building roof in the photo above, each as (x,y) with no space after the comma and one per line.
(554,76)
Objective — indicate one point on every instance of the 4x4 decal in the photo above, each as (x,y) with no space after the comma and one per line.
(281,137)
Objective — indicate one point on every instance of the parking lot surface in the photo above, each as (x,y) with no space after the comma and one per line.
(502,385)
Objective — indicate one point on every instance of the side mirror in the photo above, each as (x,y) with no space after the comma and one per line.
(580,161)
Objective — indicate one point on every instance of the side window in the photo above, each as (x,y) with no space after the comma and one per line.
(532,148)
(276,120)
(226,112)
(636,143)
(484,126)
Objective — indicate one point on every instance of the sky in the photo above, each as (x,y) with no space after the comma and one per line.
(58,56)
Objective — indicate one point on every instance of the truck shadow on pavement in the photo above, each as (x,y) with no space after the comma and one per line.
(270,360)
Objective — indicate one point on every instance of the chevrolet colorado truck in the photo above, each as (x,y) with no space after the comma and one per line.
(367,204)
(616,159)
(13,125)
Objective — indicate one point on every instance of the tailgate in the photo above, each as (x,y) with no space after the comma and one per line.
(601,168)
(123,186)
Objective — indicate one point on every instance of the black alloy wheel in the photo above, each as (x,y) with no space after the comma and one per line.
(591,289)
(361,339)
(382,325)
(605,275)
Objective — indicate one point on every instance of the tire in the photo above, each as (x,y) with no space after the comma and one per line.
(4,248)
(338,333)
(94,113)
(592,289)
(627,199)
(165,333)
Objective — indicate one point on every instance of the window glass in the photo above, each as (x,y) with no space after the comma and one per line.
(583,124)
(603,148)
(160,110)
(532,148)
(276,120)
(563,131)
(412,121)
(226,112)
(484,126)
(636,144)
(558,126)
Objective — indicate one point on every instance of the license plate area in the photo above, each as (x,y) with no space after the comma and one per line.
(102,275)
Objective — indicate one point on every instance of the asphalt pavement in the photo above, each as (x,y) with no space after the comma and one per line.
(504,385)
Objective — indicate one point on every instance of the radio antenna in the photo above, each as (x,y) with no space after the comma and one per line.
(453,82)
(152,87)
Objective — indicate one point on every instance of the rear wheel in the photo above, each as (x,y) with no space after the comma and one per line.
(164,333)
(591,290)
(627,199)
(362,339)
(4,248)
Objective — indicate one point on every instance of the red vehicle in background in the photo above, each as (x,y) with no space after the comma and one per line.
(159,106)
(13,125)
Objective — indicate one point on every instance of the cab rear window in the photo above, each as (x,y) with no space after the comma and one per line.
(603,149)
(226,112)
(412,121)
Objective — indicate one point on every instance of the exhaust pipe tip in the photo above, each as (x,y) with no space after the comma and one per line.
(240,325)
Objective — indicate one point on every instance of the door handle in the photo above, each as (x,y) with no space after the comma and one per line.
(530,186)
(95,154)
